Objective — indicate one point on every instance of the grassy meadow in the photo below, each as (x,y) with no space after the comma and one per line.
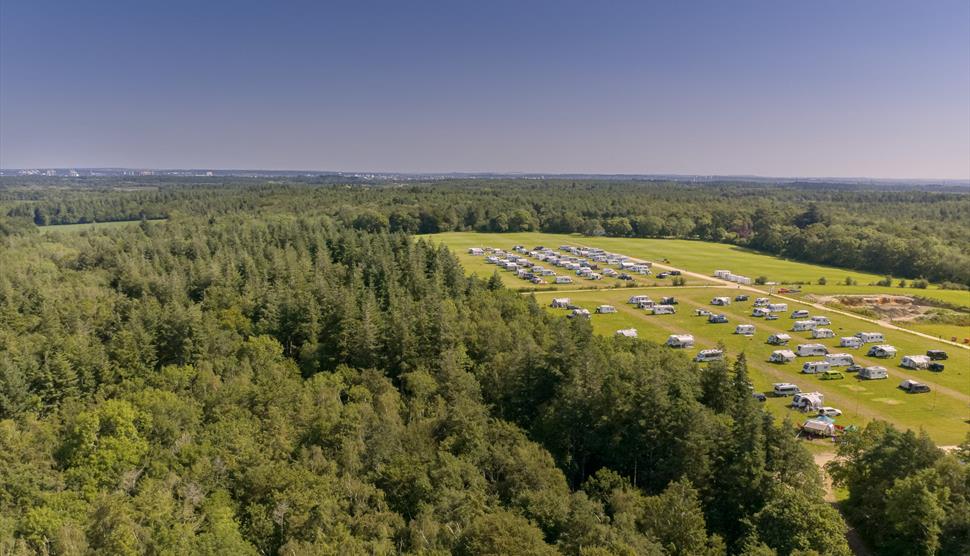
(943,412)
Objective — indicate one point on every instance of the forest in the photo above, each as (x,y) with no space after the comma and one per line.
(281,368)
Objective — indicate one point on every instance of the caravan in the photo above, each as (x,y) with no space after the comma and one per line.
(782,389)
(721,301)
(782,356)
(777,307)
(883,351)
(605,309)
(822,321)
(779,339)
(840,359)
(705,355)
(760,312)
(822,333)
(915,362)
(871,337)
(627,332)
(809,401)
(560,303)
(803,325)
(680,341)
(744,329)
(815,367)
(664,309)
(873,373)
(638,299)
(850,342)
(808,350)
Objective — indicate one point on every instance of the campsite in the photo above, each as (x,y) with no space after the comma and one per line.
(941,413)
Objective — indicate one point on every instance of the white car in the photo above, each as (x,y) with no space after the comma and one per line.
(830,412)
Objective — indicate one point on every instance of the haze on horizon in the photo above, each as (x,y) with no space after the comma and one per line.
(813,89)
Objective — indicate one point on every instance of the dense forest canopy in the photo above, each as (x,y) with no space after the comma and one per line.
(283,369)
(897,231)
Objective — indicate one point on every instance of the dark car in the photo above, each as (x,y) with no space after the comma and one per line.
(936,367)
(919,389)
(937,355)
(663,275)
(741,298)
(854,368)
(675,273)
(760,396)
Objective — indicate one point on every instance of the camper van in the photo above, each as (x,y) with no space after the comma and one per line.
(777,307)
(783,389)
(680,341)
(808,350)
(721,301)
(850,342)
(744,329)
(664,309)
(605,309)
(873,373)
(840,359)
(882,351)
(782,356)
(822,333)
(709,355)
(915,362)
(799,314)
(803,325)
(778,339)
(822,321)
(871,337)
(815,367)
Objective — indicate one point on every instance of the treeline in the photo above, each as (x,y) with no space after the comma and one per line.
(900,232)
(291,386)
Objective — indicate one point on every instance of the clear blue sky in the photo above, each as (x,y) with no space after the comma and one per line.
(790,88)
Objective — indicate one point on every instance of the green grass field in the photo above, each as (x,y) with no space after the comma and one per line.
(701,257)
(943,413)
(73,228)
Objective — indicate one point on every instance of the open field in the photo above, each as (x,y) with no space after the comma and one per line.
(944,412)
(945,331)
(71,228)
(704,258)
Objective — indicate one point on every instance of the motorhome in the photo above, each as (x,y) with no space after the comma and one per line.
(882,351)
(822,321)
(799,314)
(782,389)
(822,333)
(779,339)
(744,329)
(680,341)
(850,342)
(803,325)
(815,367)
(873,373)
(871,337)
(709,355)
(915,362)
(808,350)
(840,359)
(782,356)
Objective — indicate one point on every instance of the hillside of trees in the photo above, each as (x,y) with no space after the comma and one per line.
(901,232)
(274,370)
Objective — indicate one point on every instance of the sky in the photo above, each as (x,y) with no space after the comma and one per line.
(822,88)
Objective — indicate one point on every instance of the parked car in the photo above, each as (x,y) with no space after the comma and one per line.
(717,319)
(760,396)
(741,298)
(663,275)
(772,316)
(832,375)
(913,387)
(854,368)
(830,412)
(674,272)
(936,367)
(937,355)
(625,276)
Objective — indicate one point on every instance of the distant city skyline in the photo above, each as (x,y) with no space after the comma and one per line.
(752,88)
